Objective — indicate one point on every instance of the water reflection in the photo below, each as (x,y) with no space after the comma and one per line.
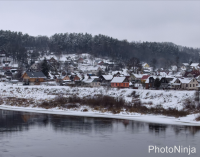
(19,121)
(47,134)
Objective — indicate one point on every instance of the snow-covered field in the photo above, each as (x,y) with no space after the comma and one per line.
(157,97)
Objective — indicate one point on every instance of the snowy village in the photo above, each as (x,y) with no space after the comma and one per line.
(85,70)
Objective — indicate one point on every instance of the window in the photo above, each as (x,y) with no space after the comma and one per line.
(193,80)
(186,85)
(193,85)
(190,85)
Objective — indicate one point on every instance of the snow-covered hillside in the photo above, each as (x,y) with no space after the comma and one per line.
(167,99)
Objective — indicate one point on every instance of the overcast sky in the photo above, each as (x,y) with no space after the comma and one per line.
(165,21)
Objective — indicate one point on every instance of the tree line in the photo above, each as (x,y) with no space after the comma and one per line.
(16,44)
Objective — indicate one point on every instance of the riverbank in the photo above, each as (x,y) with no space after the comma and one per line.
(31,95)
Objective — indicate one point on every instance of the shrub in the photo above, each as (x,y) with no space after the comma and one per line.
(85,110)
(133,94)
(197,118)
(69,106)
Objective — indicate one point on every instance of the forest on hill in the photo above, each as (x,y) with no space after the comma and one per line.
(16,44)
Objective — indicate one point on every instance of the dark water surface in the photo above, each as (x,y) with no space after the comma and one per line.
(41,135)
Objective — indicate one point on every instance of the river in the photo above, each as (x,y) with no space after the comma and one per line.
(25,134)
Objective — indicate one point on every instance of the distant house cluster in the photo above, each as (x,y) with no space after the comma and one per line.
(89,71)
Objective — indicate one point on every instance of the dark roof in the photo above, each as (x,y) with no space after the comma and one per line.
(96,80)
(36,74)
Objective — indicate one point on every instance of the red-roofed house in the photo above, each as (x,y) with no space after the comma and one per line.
(144,78)
(80,60)
(100,63)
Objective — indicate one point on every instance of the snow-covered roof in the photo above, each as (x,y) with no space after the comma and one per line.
(93,77)
(125,72)
(89,80)
(118,79)
(185,80)
(186,64)
(194,64)
(107,77)
(174,79)
(138,75)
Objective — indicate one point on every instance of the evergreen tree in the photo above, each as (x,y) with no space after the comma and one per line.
(177,62)
(154,63)
(157,83)
(45,67)
(99,73)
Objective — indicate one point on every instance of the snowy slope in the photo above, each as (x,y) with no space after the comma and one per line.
(157,97)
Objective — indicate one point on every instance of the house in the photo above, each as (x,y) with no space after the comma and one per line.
(194,65)
(184,83)
(52,60)
(80,60)
(136,77)
(100,63)
(146,71)
(75,78)
(91,81)
(175,83)
(192,73)
(144,78)
(145,65)
(188,83)
(35,67)
(120,82)
(95,83)
(165,82)
(66,78)
(105,79)
(116,73)
(33,78)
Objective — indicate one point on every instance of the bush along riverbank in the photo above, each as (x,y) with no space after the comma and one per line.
(103,104)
